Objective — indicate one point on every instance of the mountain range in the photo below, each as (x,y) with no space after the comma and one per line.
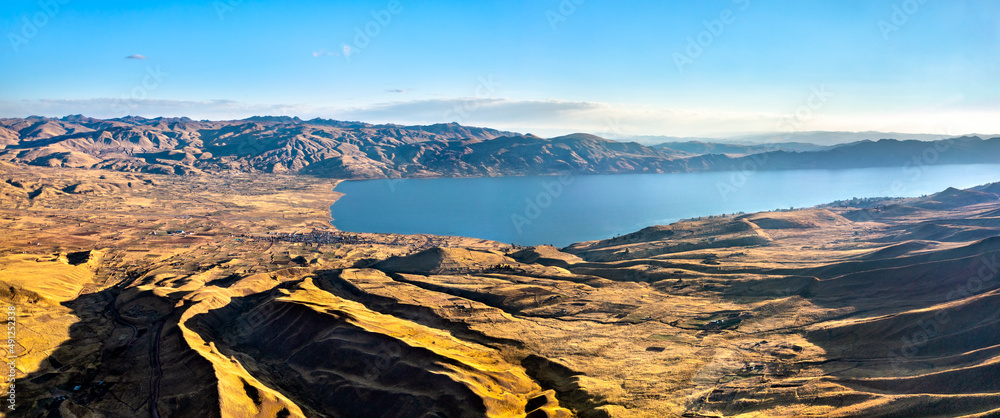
(821,138)
(357,150)
(735,149)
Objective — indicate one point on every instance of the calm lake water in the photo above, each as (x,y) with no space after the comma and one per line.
(563,210)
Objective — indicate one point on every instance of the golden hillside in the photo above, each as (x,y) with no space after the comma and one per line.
(230,295)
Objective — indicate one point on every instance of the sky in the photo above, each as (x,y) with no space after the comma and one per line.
(705,68)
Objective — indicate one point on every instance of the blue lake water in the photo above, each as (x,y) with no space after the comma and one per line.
(563,210)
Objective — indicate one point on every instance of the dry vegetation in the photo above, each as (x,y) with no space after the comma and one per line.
(230,295)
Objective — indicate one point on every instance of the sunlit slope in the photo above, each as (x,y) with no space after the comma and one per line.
(145,295)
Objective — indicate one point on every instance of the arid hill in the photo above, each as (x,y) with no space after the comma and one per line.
(140,294)
(318,147)
(355,150)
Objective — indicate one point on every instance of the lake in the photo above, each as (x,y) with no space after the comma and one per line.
(561,210)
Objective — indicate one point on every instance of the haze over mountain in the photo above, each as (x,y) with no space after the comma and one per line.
(709,147)
(820,138)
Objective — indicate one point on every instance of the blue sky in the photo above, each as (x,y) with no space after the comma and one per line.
(681,68)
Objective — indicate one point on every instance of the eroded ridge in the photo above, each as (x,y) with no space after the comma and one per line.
(141,294)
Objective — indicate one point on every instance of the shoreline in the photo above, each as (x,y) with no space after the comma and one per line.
(618,195)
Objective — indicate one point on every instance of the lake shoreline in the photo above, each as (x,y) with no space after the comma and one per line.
(533,210)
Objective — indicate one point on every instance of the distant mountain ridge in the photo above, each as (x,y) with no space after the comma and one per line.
(358,150)
(701,148)
(885,153)
(820,138)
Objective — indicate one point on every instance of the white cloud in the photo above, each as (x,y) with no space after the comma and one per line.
(557,117)
(541,117)
(323,53)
